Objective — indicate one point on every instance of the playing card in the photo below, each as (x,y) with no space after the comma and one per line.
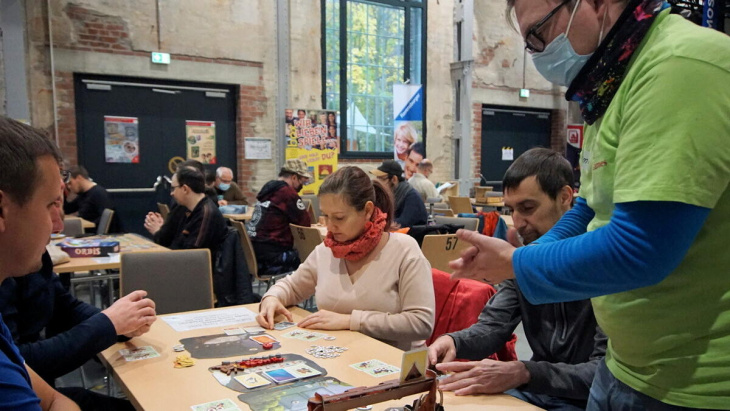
(302,371)
(254,330)
(283,325)
(375,368)
(234,331)
(414,364)
(263,338)
(220,405)
(252,380)
(296,334)
(139,353)
(311,336)
(280,375)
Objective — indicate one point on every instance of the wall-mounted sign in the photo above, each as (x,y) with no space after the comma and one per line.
(121,139)
(200,138)
(257,148)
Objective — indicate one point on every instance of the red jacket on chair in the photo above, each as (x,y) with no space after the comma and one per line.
(458,305)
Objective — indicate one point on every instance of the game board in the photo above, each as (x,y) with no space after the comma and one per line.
(292,397)
(222,346)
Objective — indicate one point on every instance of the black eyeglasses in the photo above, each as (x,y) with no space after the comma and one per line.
(172,188)
(534,43)
(65,176)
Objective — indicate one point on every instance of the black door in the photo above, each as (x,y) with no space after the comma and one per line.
(161,109)
(516,128)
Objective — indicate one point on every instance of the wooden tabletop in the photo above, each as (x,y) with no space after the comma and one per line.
(241,217)
(127,243)
(154,384)
(84,223)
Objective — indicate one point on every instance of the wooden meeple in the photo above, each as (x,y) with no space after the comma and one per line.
(388,390)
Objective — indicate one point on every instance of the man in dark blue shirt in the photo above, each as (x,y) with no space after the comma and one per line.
(409,208)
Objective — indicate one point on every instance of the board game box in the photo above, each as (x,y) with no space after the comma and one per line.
(79,247)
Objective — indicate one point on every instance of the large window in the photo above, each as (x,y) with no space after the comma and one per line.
(369,46)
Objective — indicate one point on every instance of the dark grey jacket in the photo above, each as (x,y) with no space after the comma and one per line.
(566,342)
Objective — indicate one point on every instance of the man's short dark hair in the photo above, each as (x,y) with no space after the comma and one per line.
(210,177)
(191,178)
(550,168)
(20,146)
(191,164)
(78,171)
(418,147)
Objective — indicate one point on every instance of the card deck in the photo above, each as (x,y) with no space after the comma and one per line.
(280,375)
(252,380)
(283,325)
(263,339)
(302,371)
(234,331)
(139,353)
(254,330)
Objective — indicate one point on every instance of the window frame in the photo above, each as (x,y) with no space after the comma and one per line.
(407,6)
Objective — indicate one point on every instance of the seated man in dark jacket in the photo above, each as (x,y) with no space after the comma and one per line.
(566,341)
(91,199)
(56,333)
(409,208)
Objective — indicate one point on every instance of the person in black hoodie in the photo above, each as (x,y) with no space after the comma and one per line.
(566,341)
(91,199)
(278,204)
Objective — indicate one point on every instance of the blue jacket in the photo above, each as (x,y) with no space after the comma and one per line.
(411,211)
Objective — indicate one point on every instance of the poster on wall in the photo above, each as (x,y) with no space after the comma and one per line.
(121,139)
(573,148)
(312,136)
(200,138)
(408,124)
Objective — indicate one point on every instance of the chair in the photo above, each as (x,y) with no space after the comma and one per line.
(458,305)
(468,223)
(310,211)
(446,212)
(177,281)
(305,240)
(164,210)
(253,266)
(72,227)
(442,248)
(105,221)
(460,204)
(315,205)
(451,191)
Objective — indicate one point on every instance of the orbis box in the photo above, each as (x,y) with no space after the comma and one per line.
(79,247)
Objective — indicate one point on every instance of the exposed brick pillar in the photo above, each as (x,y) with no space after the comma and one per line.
(476,122)
(66,111)
(251,107)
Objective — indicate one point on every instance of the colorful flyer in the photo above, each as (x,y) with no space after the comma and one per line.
(313,137)
(121,139)
(200,139)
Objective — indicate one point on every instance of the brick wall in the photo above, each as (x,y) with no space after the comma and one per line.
(557,131)
(476,126)
(66,111)
(251,107)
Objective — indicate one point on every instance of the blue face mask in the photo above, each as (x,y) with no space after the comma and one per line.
(224,187)
(559,63)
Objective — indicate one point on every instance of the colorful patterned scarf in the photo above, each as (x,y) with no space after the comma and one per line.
(358,248)
(598,81)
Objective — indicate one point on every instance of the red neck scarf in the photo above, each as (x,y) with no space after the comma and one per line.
(358,248)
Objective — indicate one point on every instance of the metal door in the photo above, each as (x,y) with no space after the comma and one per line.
(518,129)
(161,109)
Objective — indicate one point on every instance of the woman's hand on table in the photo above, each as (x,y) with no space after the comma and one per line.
(326,320)
(269,308)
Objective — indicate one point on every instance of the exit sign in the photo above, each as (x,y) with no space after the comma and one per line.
(160,58)
(524,93)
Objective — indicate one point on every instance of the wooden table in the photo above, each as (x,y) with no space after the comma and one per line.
(85,224)
(241,217)
(154,384)
(127,243)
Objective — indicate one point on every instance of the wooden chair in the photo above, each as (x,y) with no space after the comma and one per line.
(251,261)
(105,222)
(451,191)
(310,211)
(446,212)
(460,204)
(442,248)
(72,227)
(468,223)
(305,240)
(164,210)
(177,281)
(315,205)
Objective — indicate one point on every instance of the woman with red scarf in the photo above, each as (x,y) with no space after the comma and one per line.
(363,277)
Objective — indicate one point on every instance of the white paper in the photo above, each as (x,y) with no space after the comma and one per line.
(218,318)
(443,187)
(257,148)
(113,258)
(508,153)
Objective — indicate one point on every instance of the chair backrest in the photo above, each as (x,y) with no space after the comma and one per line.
(468,223)
(305,239)
(310,210)
(315,205)
(440,205)
(460,204)
(458,305)
(248,251)
(164,210)
(451,191)
(105,221)
(177,281)
(446,212)
(442,248)
(72,227)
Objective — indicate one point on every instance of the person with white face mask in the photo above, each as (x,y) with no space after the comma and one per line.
(647,238)
(227,189)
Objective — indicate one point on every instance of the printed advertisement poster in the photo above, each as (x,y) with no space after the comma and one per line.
(574,134)
(313,137)
(200,137)
(408,124)
(121,139)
